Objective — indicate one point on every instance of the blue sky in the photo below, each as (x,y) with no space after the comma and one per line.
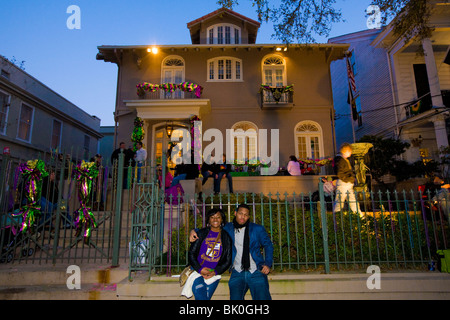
(35,31)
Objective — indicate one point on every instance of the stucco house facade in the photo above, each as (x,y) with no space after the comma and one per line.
(225,59)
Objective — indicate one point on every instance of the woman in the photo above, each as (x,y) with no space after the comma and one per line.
(209,256)
(293,166)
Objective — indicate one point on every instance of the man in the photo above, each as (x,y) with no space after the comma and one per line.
(129,161)
(346,180)
(140,158)
(221,171)
(249,269)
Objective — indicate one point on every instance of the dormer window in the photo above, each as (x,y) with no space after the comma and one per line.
(223,34)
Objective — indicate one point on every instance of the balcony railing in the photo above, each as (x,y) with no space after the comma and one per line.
(425,104)
(184,90)
(276,96)
(160,95)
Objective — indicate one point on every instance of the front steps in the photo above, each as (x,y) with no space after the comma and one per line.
(297,286)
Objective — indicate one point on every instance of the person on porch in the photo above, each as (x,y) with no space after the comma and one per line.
(222,170)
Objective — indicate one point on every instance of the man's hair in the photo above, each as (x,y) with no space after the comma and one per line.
(243,205)
(345,146)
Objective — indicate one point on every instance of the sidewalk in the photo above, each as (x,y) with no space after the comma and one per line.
(101,282)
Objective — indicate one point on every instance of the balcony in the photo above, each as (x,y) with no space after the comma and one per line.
(169,101)
(425,104)
(277,97)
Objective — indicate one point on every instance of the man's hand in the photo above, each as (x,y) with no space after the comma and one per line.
(193,236)
(265,270)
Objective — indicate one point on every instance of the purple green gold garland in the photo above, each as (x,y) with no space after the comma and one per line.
(85,174)
(33,171)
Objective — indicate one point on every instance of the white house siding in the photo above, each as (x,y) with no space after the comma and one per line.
(405,77)
(374,86)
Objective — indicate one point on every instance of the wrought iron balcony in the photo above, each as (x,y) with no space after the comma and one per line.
(276,97)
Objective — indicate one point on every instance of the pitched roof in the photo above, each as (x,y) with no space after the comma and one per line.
(220,11)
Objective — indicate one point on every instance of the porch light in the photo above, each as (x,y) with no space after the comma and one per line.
(153,50)
(169,129)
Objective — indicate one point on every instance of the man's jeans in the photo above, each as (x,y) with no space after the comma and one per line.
(203,291)
(344,191)
(219,179)
(257,282)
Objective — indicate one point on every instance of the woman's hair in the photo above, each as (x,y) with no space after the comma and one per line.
(293,158)
(212,212)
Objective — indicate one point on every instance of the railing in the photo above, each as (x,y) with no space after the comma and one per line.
(162,95)
(139,225)
(277,98)
(396,230)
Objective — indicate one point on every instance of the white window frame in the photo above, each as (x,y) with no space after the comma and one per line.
(58,147)
(8,104)
(273,67)
(31,123)
(178,93)
(216,64)
(214,31)
(309,134)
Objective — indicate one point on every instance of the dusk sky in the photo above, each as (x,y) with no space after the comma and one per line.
(35,31)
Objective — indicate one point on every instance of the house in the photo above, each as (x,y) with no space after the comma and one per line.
(244,85)
(400,92)
(35,120)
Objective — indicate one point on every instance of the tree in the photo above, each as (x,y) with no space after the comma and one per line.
(301,20)
(384,159)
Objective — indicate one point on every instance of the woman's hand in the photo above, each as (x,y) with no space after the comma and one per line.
(207,273)
(193,236)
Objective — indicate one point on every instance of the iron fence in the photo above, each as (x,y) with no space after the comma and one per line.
(139,225)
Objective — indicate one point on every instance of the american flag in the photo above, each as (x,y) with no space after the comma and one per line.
(351,76)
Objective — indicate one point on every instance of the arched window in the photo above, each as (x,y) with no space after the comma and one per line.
(223,33)
(274,71)
(308,140)
(245,142)
(172,71)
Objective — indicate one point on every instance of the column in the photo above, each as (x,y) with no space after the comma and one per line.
(440,130)
(433,77)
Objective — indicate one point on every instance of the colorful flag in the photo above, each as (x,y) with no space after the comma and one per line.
(415,108)
(351,101)
(351,76)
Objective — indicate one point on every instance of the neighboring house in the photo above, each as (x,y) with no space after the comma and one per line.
(35,120)
(400,93)
(226,61)
(106,143)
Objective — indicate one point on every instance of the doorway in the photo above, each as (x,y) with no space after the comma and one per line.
(163,144)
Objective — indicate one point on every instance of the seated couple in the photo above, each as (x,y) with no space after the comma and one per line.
(218,171)
(234,246)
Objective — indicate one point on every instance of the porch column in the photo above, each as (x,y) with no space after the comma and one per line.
(440,131)
(433,77)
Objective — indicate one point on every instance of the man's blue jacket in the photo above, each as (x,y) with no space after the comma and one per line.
(258,238)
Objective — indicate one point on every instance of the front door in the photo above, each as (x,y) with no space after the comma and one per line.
(164,144)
